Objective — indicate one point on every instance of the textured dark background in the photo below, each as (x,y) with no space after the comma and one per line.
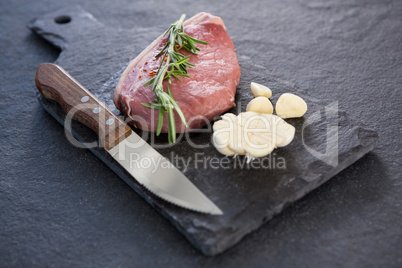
(350,51)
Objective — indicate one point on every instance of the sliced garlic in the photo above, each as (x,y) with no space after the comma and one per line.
(260,90)
(290,106)
(260,105)
(251,134)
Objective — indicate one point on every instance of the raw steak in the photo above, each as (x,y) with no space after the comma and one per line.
(209,92)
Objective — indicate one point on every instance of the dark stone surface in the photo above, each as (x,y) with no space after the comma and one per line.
(262,188)
(61,207)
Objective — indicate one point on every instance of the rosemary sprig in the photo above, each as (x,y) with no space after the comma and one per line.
(176,65)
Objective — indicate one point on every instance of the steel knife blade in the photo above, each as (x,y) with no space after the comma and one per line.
(161,178)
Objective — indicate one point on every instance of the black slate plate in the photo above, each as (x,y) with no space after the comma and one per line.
(326,140)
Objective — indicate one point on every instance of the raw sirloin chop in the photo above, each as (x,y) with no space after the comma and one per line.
(208,93)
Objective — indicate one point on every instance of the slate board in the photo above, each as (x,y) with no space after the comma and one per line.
(248,194)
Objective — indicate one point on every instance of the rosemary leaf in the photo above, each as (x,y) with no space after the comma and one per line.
(160,120)
(176,65)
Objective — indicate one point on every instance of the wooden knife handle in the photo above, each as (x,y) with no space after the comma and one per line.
(53,82)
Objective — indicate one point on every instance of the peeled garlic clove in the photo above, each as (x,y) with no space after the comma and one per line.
(222,134)
(284,133)
(260,105)
(221,124)
(280,133)
(290,106)
(221,142)
(260,150)
(258,146)
(260,90)
(237,143)
(229,117)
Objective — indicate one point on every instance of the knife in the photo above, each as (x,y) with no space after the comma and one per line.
(164,180)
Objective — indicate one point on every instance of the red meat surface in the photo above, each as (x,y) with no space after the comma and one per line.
(208,92)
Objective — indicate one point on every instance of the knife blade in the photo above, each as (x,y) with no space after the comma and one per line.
(163,179)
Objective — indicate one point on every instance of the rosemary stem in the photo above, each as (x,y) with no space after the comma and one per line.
(181,20)
(164,70)
(176,65)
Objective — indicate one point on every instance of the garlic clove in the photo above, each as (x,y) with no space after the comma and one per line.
(222,134)
(221,142)
(285,133)
(259,90)
(260,150)
(260,105)
(290,106)
(237,142)
(280,132)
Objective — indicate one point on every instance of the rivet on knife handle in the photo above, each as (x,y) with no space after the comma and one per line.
(56,84)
